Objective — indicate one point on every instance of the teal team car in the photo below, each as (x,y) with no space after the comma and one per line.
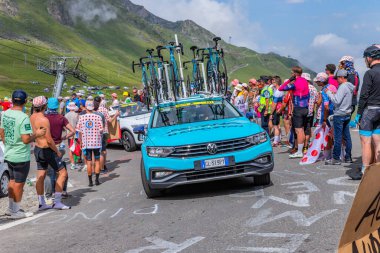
(200,139)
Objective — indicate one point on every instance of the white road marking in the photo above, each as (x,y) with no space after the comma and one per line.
(298,217)
(302,201)
(21,221)
(95,199)
(169,247)
(340,181)
(339,197)
(293,242)
(144,210)
(85,216)
(118,211)
(255,193)
(310,187)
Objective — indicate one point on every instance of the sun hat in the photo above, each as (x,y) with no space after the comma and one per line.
(72,106)
(341,73)
(245,85)
(89,105)
(321,77)
(19,96)
(90,98)
(101,95)
(306,76)
(114,95)
(39,101)
(53,103)
(239,87)
(347,58)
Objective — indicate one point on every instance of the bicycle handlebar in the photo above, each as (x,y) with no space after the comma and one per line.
(135,64)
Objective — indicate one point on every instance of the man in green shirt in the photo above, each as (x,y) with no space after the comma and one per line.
(16,133)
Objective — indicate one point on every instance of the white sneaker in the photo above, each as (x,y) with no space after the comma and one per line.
(73,166)
(84,168)
(21,214)
(8,212)
(296,155)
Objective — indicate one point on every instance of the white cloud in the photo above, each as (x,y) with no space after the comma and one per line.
(295,1)
(329,48)
(224,19)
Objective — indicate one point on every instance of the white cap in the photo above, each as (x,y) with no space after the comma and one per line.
(306,76)
(239,87)
(245,85)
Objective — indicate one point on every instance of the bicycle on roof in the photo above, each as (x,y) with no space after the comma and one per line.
(216,70)
(173,72)
(195,83)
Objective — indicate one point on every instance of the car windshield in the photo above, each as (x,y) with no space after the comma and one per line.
(193,112)
(133,109)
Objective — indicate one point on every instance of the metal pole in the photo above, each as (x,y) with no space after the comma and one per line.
(60,78)
(204,76)
(167,78)
(180,68)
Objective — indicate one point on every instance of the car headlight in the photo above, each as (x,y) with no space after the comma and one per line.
(159,151)
(257,138)
(161,174)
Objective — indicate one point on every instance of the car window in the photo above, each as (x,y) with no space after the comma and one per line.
(193,112)
(133,109)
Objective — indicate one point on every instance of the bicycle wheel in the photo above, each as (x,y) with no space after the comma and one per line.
(163,82)
(222,77)
(189,85)
(199,81)
(211,78)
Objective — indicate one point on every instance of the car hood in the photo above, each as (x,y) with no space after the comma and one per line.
(202,132)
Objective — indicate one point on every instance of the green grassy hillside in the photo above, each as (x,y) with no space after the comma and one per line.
(31,29)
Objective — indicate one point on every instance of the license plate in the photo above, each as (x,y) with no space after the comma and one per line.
(212,163)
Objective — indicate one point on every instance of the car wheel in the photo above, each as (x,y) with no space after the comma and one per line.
(128,141)
(4,181)
(150,193)
(261,180)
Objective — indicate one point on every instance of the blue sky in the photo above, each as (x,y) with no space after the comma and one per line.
(316,32)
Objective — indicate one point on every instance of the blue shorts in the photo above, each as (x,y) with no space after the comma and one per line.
(88,154)
(370,121)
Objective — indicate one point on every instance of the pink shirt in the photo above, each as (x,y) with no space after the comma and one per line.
(90,126)
(333,81)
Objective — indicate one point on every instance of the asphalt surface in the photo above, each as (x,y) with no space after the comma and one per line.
(304,210)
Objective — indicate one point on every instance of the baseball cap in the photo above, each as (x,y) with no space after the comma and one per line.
(90,105)
(239,87)
(39,101)
(114,95)
(53,103)
(72,106)
(101,95)
(244,85)
(18,95)
(341,73)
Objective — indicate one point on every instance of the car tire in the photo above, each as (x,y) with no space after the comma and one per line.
(128,142)
(150,193)
(4,181)
(261,180)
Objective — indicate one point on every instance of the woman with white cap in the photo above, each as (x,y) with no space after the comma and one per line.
(240,101)
(72,117)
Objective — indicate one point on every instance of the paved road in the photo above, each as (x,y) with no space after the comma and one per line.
(304,210)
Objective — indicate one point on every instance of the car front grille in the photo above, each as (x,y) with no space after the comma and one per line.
(201,149)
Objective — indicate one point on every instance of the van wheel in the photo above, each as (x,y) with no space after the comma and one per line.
(150,193)
(128,142)
(261,180)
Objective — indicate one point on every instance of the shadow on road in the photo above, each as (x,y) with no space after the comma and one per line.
(111,166)
(211,189)
(77,195)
